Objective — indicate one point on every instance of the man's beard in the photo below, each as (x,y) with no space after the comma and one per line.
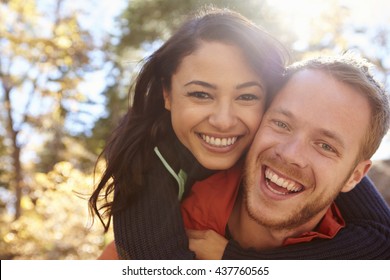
(302,213)
(294,220)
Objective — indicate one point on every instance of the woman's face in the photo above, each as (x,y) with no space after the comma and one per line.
(216,102)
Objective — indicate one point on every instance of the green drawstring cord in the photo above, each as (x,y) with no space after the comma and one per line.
(181,177)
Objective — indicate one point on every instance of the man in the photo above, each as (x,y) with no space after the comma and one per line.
(315,141)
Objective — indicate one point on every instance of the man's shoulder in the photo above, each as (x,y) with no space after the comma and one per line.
(364,203)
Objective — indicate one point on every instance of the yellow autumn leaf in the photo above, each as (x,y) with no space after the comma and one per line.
(26,203)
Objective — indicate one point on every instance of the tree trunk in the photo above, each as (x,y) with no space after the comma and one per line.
(17,167)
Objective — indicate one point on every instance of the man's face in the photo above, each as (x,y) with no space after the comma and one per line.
(305,151)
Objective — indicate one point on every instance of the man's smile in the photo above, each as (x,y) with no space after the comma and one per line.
(279,184)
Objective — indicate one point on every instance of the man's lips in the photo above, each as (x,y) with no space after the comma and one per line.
(280,184)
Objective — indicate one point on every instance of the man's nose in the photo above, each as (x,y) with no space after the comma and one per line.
(293,150)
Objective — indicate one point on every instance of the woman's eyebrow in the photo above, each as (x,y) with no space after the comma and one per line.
(201,83)
(212,86)
(249,84)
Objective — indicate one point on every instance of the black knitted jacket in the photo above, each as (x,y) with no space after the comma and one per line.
(152,227)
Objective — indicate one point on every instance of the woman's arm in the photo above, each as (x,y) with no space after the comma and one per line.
(152,227)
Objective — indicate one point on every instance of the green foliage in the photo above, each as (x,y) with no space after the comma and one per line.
(148,21)
(116,107)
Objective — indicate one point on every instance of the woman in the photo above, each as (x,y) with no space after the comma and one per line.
(198,101)
(197,104)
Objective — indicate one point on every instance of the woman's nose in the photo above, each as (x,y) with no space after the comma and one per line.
(223,117)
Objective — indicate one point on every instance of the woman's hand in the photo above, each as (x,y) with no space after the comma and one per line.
(109,253)
(207,244)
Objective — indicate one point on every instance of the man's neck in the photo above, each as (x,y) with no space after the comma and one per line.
(250,234)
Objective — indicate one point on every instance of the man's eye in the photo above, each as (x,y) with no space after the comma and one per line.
(327,148)
(199,94)
(281,124)
(248,97)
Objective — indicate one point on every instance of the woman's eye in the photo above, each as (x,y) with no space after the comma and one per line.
(199,94)
(248,97)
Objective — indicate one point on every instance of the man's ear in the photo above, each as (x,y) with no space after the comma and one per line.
(167,99)
(357,175)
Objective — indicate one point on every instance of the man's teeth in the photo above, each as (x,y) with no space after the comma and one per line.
(219,142)
(282,182)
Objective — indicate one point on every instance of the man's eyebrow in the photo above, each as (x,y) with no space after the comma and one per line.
(283,112)
(321,131)
(332,135)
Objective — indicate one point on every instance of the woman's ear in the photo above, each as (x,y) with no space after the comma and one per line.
(357,175)
(167,99)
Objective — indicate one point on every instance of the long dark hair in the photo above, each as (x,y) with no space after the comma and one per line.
(128,153)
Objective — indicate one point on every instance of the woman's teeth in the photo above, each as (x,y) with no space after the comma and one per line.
(219,142)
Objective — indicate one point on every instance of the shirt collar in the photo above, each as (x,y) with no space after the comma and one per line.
(329,226)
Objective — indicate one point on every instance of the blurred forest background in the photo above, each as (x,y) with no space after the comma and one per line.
(64,80)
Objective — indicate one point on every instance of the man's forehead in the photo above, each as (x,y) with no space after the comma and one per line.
(316,86)
(314,98)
